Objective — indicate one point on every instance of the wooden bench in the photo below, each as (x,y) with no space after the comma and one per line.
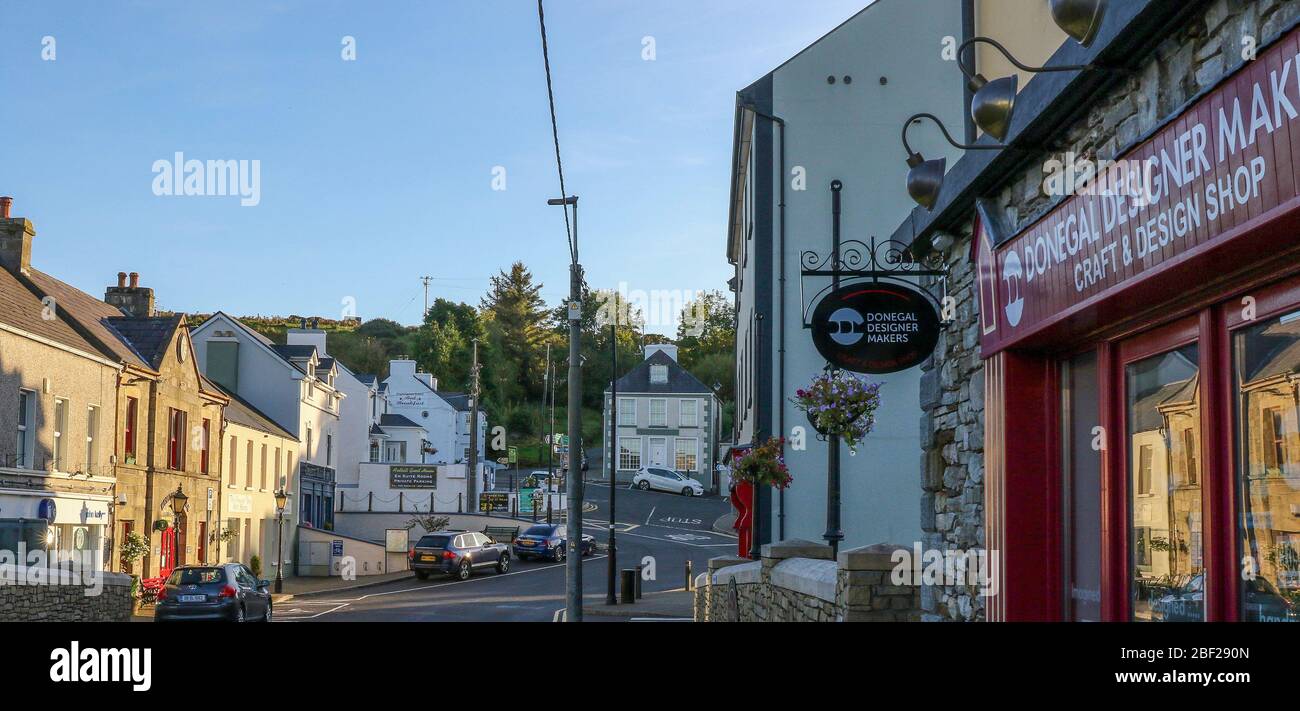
(501,534)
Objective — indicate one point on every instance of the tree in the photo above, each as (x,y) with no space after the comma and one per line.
(516,327)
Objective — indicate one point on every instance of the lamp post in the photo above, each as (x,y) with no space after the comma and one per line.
(573,481)
(612,561)
(179,500)
(281,500)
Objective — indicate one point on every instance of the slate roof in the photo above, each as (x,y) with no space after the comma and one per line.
(22,309)
(298,351)
(242,412)
(366,378)
(149,336)
(91,314)
(397,421)
(458,401)
(377,431)
(637,380)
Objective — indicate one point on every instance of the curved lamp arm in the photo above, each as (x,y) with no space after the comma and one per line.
(946,135)
(961,49)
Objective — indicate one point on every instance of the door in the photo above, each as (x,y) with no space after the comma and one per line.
(203,543)
(659,451)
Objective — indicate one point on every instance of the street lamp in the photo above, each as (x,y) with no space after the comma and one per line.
(610,597)
(179,500)
(573,482)
(281,500)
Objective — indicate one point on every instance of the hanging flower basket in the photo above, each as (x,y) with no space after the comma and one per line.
(763,465)
(841,404)
(160,525)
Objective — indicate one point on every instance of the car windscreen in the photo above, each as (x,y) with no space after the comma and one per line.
(196,576)
(544,531)
(433,542)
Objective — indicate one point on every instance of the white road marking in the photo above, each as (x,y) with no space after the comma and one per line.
(652,513)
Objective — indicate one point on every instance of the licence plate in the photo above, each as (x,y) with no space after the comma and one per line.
(526,543)
(194,598)
(426,557)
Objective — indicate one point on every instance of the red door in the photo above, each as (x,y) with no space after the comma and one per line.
(166,561)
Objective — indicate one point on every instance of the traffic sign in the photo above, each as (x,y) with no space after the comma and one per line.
(513,453)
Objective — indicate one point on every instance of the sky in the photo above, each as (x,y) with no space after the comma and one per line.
(375,171)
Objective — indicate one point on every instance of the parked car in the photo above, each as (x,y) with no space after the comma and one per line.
(1185,601)
(457,553)
(663,479)
(546,540)
(213,592)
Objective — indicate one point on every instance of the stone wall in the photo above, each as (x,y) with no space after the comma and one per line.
(796,581)
(64,602)
(1188,61)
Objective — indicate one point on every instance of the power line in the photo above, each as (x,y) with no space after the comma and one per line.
(555,131)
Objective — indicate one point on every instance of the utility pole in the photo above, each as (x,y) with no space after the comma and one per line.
(611,573)
(426,280)
(471,481)
(548,390)
(573,480)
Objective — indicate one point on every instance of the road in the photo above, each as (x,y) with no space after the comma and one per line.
(660,529)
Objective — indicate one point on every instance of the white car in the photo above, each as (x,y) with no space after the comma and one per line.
(664,479)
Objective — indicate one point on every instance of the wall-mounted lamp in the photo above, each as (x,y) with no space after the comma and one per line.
(1080,19)
(925,177)
(995,100)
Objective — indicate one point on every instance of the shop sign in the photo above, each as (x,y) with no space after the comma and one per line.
(493,502)
(1228,159)
(875,327)
(405,476)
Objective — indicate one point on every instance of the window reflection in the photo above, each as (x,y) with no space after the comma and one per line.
(1164,435)
(1266,360)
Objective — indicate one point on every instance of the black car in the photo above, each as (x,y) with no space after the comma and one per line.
(213,592)
(457,553)
(545,540)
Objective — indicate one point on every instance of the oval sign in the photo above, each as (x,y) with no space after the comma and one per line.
(875,327)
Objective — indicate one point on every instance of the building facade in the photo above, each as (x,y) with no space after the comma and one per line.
(831,112)
(666,418)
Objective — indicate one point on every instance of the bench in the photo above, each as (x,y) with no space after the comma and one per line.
(501,534)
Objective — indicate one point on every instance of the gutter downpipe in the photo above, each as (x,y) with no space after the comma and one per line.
(780,122)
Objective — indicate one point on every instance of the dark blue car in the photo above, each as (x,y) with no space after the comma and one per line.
(545,540)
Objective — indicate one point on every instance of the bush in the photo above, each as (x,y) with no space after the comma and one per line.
(255,565)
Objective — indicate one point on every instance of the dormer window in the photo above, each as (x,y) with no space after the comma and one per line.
(659,374)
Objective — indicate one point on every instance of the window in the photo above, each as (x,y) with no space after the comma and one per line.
(60,428)
(263,469)
(658,374)
(248,472)
(26,427)
(1190,467)
(92,429)
(132,409)
(204,449)
(277,466)
(374,450)
(232,543)
(1274,445)
(658,413)
(1144,470)
(689,413)
(329,449)
(686,453)
(234,459)
(629,452)
(308,452)
(1081,469)
(627,411)
(176,440)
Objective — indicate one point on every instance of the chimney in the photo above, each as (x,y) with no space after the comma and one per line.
(134,300)
(307,337)
(16,235)
(668,348)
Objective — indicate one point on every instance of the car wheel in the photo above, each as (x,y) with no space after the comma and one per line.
(503,564)
(465,570)
(643,485)
(688,492)
(239,614)
(422,574)
(560,552)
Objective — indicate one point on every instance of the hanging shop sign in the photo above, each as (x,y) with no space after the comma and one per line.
(875,327)
(1206,179)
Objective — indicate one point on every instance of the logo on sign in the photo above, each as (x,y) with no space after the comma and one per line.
(1012,273)
(875,327)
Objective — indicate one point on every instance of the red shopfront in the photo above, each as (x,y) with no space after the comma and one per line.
(1142,376)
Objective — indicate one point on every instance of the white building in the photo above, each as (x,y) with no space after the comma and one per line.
(293,386)
(843,101)
(666,418)
(444,415)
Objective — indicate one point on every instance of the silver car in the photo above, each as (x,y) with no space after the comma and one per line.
(664,479)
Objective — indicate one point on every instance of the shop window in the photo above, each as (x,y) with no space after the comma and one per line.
(1266,363)
(1164,413)
(1081,468)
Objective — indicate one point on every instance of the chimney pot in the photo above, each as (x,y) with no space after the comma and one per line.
(6,203)
(121,280)
(135,279)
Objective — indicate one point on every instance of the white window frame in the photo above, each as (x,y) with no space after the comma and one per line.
(694,454)
(695,412)
(664,403)
(60,429)
(629,460)
(26,428)
(623,418)
(92,426)
(657,369)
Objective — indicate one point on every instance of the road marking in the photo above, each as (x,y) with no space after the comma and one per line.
(652,513)
(682,543)
(347,602)
(560,615)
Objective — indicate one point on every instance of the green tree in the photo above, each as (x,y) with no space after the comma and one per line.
(517,319)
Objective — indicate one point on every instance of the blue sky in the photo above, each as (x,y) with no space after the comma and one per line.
(377,171)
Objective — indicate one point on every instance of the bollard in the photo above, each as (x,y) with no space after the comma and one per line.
(638,581)
(688,575)
(631,586)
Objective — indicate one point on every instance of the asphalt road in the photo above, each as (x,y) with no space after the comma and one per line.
(659,530)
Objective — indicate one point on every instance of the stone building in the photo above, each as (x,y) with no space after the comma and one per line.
(1112,415)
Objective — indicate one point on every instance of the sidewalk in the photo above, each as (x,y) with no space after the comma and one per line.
(725,524)
(676,604)
(305,587)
